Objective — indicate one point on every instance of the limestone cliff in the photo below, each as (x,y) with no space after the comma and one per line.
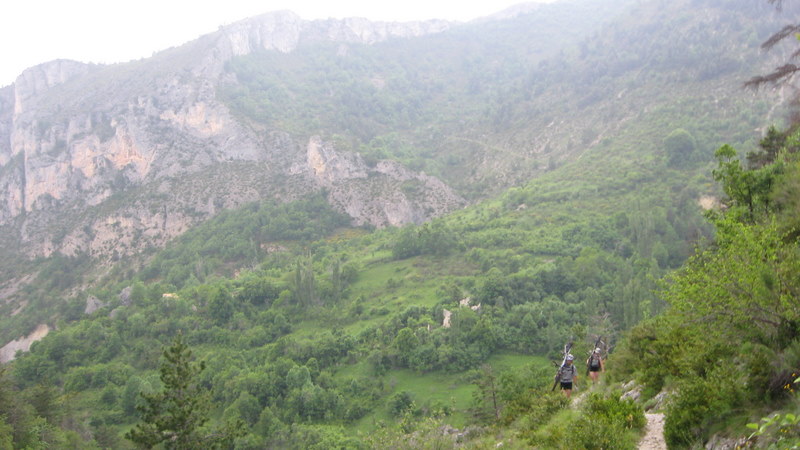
(111,159)
(385,195)
(39,79)
(284,31)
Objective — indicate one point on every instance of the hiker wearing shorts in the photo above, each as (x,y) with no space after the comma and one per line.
(595,364)
(568,375)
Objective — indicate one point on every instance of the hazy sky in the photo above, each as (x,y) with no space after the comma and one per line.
(107,31)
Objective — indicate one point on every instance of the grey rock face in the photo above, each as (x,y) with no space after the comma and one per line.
(93,304)
(125,296)
(108,160)
(284,31)
(386,195)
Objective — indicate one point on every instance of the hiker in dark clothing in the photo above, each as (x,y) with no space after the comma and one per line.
(596,364)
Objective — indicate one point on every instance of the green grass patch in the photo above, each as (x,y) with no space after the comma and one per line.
(428,391)
(509,361)
(375,279)
(554,434)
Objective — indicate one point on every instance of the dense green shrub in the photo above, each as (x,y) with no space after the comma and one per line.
(399,403)
(699,403)
(604,422)
(624,413)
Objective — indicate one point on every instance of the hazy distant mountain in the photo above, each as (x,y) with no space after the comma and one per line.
(397,123)
(104,159)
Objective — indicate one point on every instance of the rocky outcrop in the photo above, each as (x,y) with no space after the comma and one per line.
(8,351)
(11,174)
(719,442)
(708,202)
(385,195)
(284,31)
(125,296)
(93,304)
(631,391)
(37,80)
(6,123)
(330,167)
(68,159)
(447,316)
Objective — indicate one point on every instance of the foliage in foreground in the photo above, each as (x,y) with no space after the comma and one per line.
(779,431)
(604,421)
(731,340)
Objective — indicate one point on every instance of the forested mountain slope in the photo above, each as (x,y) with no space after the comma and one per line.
(586,166)
(409,128)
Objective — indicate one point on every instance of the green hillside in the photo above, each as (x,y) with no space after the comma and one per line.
(316,334)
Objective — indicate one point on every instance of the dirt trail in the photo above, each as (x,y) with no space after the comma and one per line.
(577,399)
(654,438)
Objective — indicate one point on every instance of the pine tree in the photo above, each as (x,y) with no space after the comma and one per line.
(175,416)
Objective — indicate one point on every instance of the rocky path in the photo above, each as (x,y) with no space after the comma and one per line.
(654,436)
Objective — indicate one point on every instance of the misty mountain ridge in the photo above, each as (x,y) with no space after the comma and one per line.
(393,123)
(76,135)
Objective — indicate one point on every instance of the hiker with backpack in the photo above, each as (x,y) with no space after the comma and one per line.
(595,364)
(568,374)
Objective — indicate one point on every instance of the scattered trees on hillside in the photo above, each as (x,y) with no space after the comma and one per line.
(428,239)
(33,418)
(240,236)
